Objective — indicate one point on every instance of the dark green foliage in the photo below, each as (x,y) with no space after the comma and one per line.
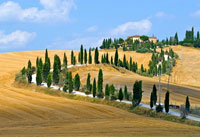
(29,64)
(77,82)
(176,39)
(120,96)
(49,80)
(106,44)
(29,72)
(144,38)
(56,71)
(151,100)
(167,102)
(124,62)
(65,88)
(85,56)
(74,60)
(154,94)
(94,88)
(96,56)
(57,60)
(72,57)
(70,82)
(126,93)
(142,68)
(116,57)
(23,71)
(81,55)
(88,84)
(65,60)
(46,55)
(46,69)
(137,93)
(39,76)
(187,104)
(90,57)
(107,91)
(111,60)
(41,64)
(159,108)
(100,84)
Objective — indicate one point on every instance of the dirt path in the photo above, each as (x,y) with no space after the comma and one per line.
(25,112)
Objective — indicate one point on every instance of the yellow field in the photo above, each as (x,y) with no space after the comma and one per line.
(24,112)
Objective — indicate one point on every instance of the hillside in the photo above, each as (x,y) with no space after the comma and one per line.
(24,112)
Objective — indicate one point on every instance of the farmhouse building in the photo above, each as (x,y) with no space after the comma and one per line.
(137,37)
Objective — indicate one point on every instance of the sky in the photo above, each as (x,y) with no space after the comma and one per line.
(66,24)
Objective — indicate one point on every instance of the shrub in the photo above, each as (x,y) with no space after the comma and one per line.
(159,108)
(20,78)
(65,88)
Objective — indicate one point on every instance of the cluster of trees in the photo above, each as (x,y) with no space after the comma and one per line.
(109,43)
(190,39)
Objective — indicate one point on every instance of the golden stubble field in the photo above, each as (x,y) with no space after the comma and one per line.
(24,112)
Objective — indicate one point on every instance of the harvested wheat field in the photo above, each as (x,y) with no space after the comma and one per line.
(24,112)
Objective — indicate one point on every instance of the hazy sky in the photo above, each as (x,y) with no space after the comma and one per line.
(66,24)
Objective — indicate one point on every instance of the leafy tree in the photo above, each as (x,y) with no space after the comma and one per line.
(39,76)
(144,38)
(107,91)
(49,80)
(88,83)
(137,93)
(81,54)
(85,56)
(154,94)
(65,60)
(90,56)
(96,56)
(23,71)
(151,100)
(77,82)
(94,88)
(187,104)
(116,57)
(167,102)
(126,93)
(120,96)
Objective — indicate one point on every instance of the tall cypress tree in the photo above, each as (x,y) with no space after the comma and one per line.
(125,92)
(55,71)
(124,61)
(154,94)
(77,82)
(96,56)
(100,82)
(120,96)
(57,60)
(137,93)
(187,104)
(94,88)
(39,76)
(176,39)
(72,57)
(197,35)
(116,57)
(29,72)
(167,102)
(70,82)
(88,83)
(151,100)
(111,60)
(65,60)
(85,56)
(46,70)
(107,91)
(90,56)
(46,56)
(81,54)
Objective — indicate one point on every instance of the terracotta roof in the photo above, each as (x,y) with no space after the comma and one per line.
(135,36)
(152,38)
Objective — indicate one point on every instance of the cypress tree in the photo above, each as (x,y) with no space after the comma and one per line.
(90,56)
(151,100)
(111,60)
(107,59)
(167,102)
(41,64)
(85,56)
(77,82)
(176,39)
(72,57)
(107,91)
(55,72)
(37,62)
(154,94)
(94,88)
(70,82)
(88,83)
(142,68)
(46,56)
(81,54)
(100,84)
(74,60)
(46,70)
(120,96)
(96,56)
(79,57)
(197,35)
(29,72)
(116,57)
(187,104)
(49,80)
(125,92)
(23,71)
(39,76)
(137,93)
(124,61)
(57,60)
(65,60)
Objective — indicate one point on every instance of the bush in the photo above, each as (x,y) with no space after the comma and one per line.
(65,88)
(159,108)
(143,50)
(20,78)
(100,95)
